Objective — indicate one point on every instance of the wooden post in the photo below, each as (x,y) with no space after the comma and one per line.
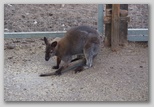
(107,40)
(123,25)
(115,27)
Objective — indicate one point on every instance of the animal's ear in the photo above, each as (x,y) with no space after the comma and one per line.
(54,44)
(45,40)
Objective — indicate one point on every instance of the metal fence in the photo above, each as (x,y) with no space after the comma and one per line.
(38,20)
(48,17)
(138,25)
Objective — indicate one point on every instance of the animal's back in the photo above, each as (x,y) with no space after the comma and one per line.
(78,36)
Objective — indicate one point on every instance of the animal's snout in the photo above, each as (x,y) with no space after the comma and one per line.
(46,58)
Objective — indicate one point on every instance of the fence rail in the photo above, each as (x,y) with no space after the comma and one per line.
(137,35)
(34,34)
(133,34)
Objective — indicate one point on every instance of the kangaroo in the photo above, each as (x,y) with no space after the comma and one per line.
(82,41)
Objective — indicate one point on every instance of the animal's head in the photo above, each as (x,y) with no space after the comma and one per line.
(50,50)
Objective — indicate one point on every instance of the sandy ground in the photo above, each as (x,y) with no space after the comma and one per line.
(115,76)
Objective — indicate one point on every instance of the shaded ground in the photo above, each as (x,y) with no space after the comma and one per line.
(121,76)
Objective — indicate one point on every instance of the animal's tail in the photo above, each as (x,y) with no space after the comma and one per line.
(47,74)
(76,64)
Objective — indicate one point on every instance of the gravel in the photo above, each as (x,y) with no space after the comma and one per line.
(115,76)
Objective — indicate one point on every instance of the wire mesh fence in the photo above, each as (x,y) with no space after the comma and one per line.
(61,17)
(138,14)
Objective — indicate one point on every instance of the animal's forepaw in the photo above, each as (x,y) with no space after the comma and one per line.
(55,67)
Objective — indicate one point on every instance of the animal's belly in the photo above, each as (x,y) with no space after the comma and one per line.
(77,50)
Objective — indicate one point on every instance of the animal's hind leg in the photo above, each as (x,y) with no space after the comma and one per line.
(88,52)
(89,61)
(81,67)
(77,58)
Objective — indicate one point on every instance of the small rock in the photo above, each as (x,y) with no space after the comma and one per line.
(81,88)
(10,57)
(9,5)
(22,16)
(27,13)
(26,60)
(24,89)
(16,41)
(40,47)
(111,67)
(35,22)
(24,42)
(32,53)
(10,46)
(6,29)
(63,5)
(50,14)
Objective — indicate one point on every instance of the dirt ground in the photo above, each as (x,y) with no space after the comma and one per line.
(115,76)
(61,17)
(121,76)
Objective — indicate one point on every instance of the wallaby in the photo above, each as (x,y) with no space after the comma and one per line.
(81,40)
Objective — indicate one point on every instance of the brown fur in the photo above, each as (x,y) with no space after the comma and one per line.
(79,40)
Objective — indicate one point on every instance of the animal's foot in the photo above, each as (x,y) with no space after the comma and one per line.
(79,69)
(55,67)
(86,67)
(58,73)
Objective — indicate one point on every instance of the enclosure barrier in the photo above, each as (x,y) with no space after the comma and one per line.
(133,34)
